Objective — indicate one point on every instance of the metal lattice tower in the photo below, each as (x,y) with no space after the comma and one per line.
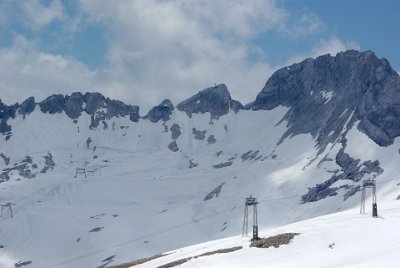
(7,206)
(80,171)
(369,184)
(250,201)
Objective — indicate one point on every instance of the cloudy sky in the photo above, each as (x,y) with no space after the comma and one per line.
(143,51)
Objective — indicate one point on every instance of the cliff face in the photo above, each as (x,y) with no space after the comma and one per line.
(327,92)
(215,100)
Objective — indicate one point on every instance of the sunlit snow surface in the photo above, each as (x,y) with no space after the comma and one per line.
(345,239)
(140,198)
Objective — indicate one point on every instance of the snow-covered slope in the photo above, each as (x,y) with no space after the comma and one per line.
(344,239)
(179,176)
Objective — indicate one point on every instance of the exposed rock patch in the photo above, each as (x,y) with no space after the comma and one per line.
(173,146)
(88,142)
(215,100)
(222,165)
(22,263)
(250,155)
(274,241)
(97,229)
(6,112)
(211,139)
(214,193)
(175,131)
(199,134)
(4,176)
(22,168)
(192,164)
(73,105)
(94,104)
(161,112)
(53,104)
(27,159)
(351,170)
(5,158)
(48,163)
(106,261)
(27,106)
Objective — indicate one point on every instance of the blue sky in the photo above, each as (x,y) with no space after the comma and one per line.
(143,51)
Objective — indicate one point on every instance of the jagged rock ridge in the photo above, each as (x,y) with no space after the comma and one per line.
(325,97)
(215,100)
(161,112)
(94,104)
(327,92)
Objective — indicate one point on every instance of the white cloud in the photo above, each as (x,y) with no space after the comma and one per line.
(333,46)
(40,15)
(330,46)
(25,72)
(156,49)
(184,46)
(303,25)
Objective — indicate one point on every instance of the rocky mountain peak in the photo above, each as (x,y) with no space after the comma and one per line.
(27,106)
(162,111)
(215,100)
(325,93)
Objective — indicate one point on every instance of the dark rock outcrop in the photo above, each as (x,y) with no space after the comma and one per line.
(27,106)
(235,106)
(350,170)
(6,112)
(161,112)
(214,193)
(175,131)
(224,164)
(215,100)
(324,93)
(53,104)
(117,108)
(48,163)
(94,101)
(23,170)
(192,164)
(101,108)
(274,241)
(134,113)
(173,146)
(73,105)
(250,155)
(199,134)
(94,104)
(211,139)
(5,158)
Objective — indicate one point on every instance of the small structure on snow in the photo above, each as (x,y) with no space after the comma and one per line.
(6,206)
(250,201)
(369,184)
(80,171)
